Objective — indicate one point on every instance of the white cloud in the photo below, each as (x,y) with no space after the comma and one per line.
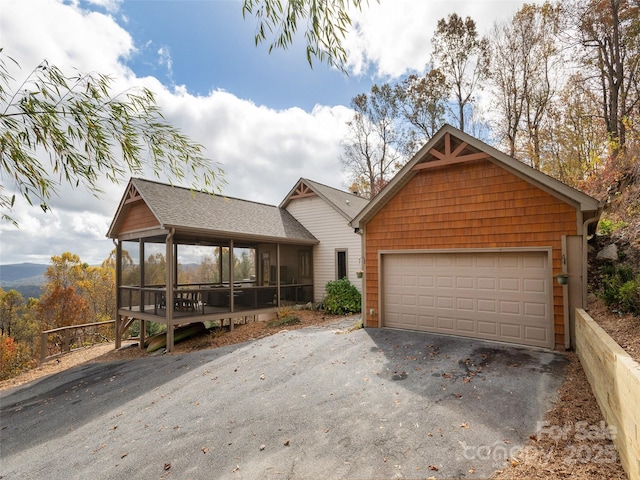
(392,38)
(263,151)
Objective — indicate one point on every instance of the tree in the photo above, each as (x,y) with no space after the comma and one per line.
(462,57)
(574,138)
(98,288)
(609,33)
(327,23)
(11,305)
(524,57)
(87,132)
(371,153)
(61,303)
(422,100)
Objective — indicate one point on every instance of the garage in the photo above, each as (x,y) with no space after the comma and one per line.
(466,240)
(503,296)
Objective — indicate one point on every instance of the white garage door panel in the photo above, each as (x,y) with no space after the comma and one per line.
(501,296)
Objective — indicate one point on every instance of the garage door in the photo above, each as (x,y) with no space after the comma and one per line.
(503,296)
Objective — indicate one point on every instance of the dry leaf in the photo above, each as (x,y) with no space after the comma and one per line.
(464,425)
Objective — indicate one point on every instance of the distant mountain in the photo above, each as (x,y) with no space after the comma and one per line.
(18,274)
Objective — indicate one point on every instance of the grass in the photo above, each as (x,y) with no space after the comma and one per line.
(284,321)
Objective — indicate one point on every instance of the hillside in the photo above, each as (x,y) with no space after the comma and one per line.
(16,274)
(26,278)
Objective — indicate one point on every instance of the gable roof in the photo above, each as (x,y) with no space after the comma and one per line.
(346,204)
(450,146)
(199,212)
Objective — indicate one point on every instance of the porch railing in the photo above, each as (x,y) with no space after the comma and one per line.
(201,299)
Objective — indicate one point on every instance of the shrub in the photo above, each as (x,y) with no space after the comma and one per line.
(284,317)
(629,296)
(342,297)
(620,289)
(607,227)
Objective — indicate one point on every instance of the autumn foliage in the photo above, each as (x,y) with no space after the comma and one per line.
(75,293)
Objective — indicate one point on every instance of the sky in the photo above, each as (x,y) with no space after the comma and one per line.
(267,119)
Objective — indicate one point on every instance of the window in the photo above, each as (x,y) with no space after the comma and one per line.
(341,264)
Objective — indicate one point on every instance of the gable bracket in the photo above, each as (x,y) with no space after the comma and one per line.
(132,196)
(303,191)
(450,157)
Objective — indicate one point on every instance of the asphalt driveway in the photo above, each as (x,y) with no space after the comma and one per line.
(309,403)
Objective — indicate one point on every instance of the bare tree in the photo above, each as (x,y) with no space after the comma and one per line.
(524,60)
(609,33)
(370,150)
(462,57)
(573,139)
(422,101)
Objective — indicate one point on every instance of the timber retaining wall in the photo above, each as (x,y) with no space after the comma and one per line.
(615,381)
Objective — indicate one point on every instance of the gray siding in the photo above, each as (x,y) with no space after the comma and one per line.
(333,232)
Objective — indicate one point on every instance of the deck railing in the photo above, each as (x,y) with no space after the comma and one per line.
(58,341)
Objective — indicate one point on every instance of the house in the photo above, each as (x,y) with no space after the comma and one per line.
(185,256)
(466,240)
(326,213)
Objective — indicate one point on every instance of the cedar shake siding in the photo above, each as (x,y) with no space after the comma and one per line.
(139,217)
(472,205)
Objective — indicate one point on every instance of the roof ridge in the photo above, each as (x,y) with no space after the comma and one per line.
(326,186)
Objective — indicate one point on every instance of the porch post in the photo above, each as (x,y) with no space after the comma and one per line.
(118,318)
(278,272)
(169,289)
(141,282)
(231,279)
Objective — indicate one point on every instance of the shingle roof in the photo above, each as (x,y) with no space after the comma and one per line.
(185,209)
(345,203)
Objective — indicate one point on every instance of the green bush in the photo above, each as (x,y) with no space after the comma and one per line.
(629,296)
(607,227)
(622,290)
(342,297)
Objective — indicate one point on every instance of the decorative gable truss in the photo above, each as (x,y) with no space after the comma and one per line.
(302,191)
(131,195)
(447,153)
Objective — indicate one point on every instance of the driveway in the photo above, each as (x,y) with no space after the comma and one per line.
(310,403)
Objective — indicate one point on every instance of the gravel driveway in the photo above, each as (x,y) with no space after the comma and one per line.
(310,403)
